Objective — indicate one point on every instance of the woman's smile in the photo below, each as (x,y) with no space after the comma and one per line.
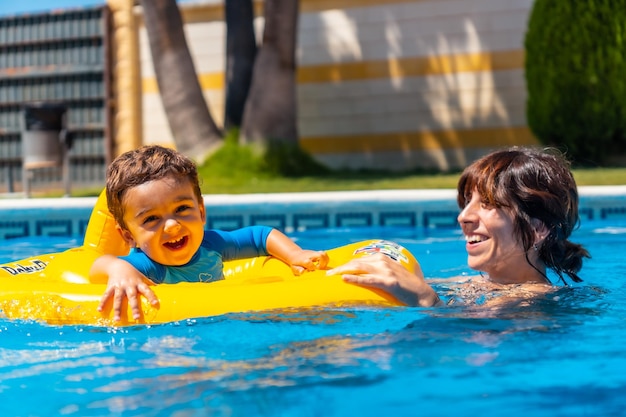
(474,239)
(491,244)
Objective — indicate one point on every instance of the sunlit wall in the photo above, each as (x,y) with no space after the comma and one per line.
(381,83)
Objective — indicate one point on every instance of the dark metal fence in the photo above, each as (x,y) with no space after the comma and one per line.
(58,58)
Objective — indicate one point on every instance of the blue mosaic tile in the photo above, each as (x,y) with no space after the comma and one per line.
(74,222)
(353,220)
(225,222)
(277,221)
(310,221)
(406,219)
(440,218)
(586,212)
(82,226)
(14,229)
(613,212)
(53,227)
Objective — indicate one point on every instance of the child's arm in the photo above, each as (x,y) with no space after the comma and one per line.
(300,260)
(123,280)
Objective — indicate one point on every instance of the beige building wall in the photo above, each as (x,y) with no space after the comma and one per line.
(382,83)
(205,31)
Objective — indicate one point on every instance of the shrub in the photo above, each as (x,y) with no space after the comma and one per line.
(576,77)
(275,160)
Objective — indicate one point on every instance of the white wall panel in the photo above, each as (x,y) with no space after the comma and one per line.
(357,102)
(207,44)
(345,36)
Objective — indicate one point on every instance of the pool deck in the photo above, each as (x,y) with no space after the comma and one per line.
(21,217)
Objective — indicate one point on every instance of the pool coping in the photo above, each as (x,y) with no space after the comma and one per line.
(8,202)
(22,217)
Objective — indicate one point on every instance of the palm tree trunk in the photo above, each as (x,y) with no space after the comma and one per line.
(192,126)
(270,115)
(240,54)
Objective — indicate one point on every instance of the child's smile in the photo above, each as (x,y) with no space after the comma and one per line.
(177,244)
(165,220)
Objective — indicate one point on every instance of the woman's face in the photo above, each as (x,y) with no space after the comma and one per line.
(491,244)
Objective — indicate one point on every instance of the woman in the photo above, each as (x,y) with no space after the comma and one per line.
(518,208)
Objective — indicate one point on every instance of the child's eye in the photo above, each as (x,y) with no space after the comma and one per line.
(149,219)
(182,208)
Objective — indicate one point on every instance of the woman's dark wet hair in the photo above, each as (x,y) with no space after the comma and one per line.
(531,184)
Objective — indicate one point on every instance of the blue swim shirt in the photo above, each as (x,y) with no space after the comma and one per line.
(206,265)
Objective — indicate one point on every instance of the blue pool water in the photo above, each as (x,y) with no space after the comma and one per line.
(562,356)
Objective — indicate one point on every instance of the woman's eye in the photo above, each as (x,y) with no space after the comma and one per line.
(487,205)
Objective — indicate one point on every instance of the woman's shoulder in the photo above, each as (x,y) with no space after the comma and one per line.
(480,291)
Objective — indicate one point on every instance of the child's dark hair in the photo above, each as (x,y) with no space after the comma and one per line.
(143,165)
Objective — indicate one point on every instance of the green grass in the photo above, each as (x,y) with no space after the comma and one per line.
(242,184)
(240,170)
(246,183)
(236,170)
(338,182)
(600,176)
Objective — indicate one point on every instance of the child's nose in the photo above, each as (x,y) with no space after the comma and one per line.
(171,225)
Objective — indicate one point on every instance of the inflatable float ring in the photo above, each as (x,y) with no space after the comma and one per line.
(55,288)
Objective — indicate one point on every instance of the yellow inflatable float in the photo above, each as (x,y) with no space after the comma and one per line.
(55,287)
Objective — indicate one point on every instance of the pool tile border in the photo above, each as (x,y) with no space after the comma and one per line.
(291,211)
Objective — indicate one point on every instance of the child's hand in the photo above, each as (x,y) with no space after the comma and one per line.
(308,260)
(126,282)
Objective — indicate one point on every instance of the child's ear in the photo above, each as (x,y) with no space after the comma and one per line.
(128,238)
(202,210)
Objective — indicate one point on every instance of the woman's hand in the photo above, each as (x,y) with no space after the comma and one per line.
(382,272)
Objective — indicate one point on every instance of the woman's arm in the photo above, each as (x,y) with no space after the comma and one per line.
(382,272)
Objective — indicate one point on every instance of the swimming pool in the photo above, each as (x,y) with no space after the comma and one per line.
(562,356)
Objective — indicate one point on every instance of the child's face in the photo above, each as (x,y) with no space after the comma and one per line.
(165,220)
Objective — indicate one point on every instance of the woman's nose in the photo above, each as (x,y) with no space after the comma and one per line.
(468,214)
(461,216)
